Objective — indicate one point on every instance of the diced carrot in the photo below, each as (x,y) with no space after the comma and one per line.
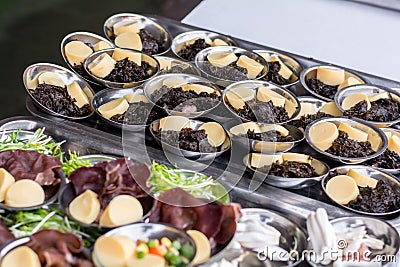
(159,250)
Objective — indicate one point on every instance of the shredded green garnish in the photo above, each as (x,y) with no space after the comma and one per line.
(74,162)
(164,178)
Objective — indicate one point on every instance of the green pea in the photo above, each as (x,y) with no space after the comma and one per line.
(176,244)
(176,260)
(187,251)
(168,256)
(140,255)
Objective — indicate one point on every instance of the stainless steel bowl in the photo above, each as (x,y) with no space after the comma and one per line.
(87,38)
(290,62)
(372,131)
(270,147)
(367,89)
(194,124)
(254,85)
(369,172)
(180,66)
(96,158)
(149,59)
(311,72)
(321,168)
(154,84)
(201,61)
(158,31)
(67,77)
(179,41)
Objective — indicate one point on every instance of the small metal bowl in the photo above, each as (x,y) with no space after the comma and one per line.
(267,146)
(254,85)
(154,84)
(201,61)
(67,76)
(367,89)
(180,40)
(194,124)
(293,183)
(149,59)
(369,172)
(290,62)
(158,31)
(311,72)
(372,130)
(178,66)
(87,38)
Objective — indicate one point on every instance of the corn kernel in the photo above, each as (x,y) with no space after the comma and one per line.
(166,242)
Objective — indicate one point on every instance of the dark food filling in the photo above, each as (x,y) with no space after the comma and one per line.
(140,113)
(290,169)
(270,136)
(388,160)
(273,74)
(189,52)
(380,199)
(126,71)
(321,88)
(57,99)
(231,72)
(180,68)
(343,146)
(188,139)
(381,110)
(81,71)
(305,120)
(150,45)
(185,101)
(265,112)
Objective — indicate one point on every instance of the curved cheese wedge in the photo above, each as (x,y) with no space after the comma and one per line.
(126,26)
(260,160)
(252,66)
(50,78)
(349,82)
(24,193)
(76,92)
(291,107)
(265,94)
(6,180)
(85,207)
(203,247)
(32,83)
(222,59)
(331,109)
(123,209)
(150,260)
(362,180)
(238,96)
(129,40)
(342,189)
(394,144)
(301,158)
(323,134)
(120,54)
(173,82)
(102,65)
(21,256)
(76,52)
(174,123)
(388,133)
(135,98)
(113,251)
(274,127)
(353,133)
(164,64)
(198,88)
(114,107)
(100,45)
(330,76)
(376,97)
(219,42)
(244,127)
(306,109)
(215,133)
(351,100)
(284,71)
(376,141)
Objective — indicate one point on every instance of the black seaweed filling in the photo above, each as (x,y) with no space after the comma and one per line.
(273,74)
(270,136)
(388,160)
(343,146)
(150,45)
(231,72)
(139,113)
(290,169)
(382,110)
(81,71)
(305,120)
(321,88)
(126,71)
(189,52)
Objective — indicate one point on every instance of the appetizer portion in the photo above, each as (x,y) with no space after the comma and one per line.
(262,132)
(278,72)
(390,159)
(190,48)
(173,65)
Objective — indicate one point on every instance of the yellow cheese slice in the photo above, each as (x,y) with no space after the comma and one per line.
(375,141)
(164,64)
(259,160)
(306,109)
(24,193)
(219,42)
(100,45)
(284,71)
(113,251)
(274,127)
(129,40)
(6,180)
(394,144)
(354,133)
(291,107)
(114,107)
(238,96)
(244,127)
(376,97)
(222,59)
(150,260)
(122,209)
(126,26)
(198,88)
(215,133)
(330,76)
(134,98)
(203,247)
(102,65)
(349,82)
(76,92)
(342,189)
(50,78)
(331,109)
(301,158)
(265,94)
(120,54)
(174,123)
(252,66)
(173,82)
(32,83)
(387,132)
(85,207)
(323,134)
(76,52)
(22,256)
(351,100)
(361,180)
